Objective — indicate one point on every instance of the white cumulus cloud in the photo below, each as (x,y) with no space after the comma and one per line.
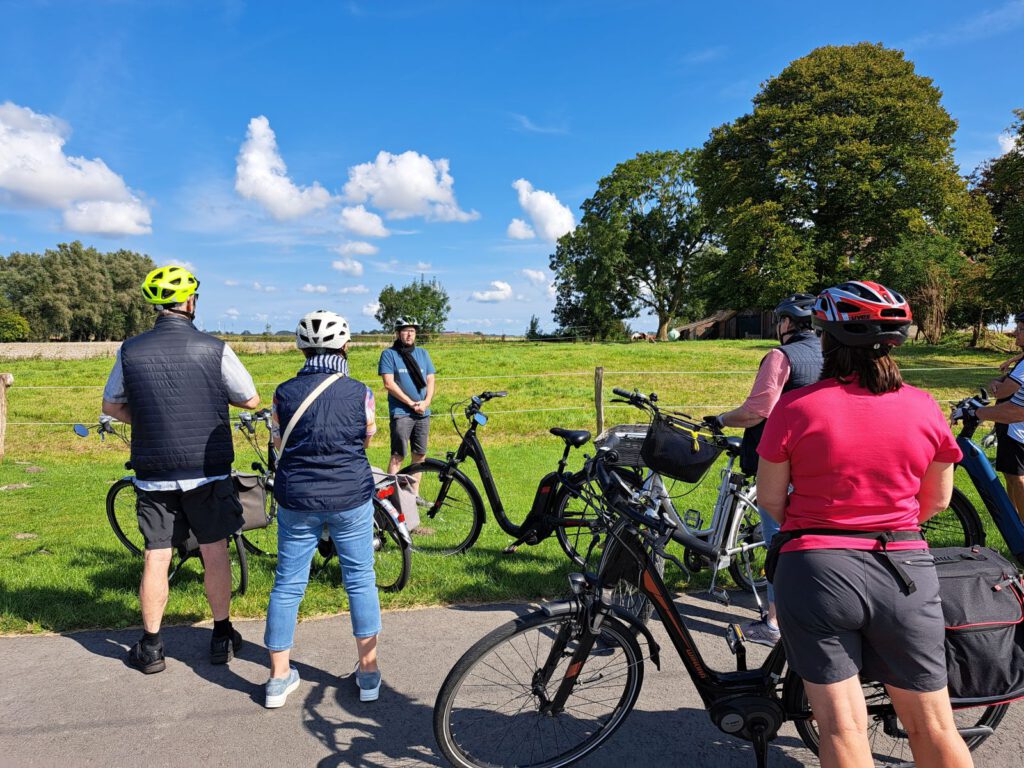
(354,289)
(231,282)
(550,218)
(423,266)
(500,291)
(407,185)
(369,310)
(232,312)
(349,266)
(363,223)
(310,288)
(357,247)
(520,230)
(262,175)
(35,172)
(1006,143)
(535,276)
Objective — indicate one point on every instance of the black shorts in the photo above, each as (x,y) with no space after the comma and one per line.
(842,612)
(1009,453)
(211,511)
(409,429)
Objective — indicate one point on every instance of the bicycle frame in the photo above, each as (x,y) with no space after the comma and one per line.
(992,493)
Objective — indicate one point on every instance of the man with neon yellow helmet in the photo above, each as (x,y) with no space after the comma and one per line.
(173,384)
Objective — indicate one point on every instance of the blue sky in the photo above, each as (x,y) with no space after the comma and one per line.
(303,155)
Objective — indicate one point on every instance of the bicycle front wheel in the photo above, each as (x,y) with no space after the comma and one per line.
(391,554)
(123,516)
(451,510)
(890,743)
(956,526)
(490,709)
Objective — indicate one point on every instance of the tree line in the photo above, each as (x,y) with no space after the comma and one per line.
(73,293)
(842,170)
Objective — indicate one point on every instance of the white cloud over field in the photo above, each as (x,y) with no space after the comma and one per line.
(550,219)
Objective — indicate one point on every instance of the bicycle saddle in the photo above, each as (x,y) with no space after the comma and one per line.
(734,445)
(573,437)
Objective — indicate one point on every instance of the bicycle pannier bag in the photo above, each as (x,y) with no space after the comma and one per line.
(253,496)
(404,500)
(675,449)
(982,604)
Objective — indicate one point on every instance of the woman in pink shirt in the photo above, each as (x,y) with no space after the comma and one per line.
(868,458)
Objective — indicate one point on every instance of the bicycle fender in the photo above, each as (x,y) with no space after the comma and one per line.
(570,607)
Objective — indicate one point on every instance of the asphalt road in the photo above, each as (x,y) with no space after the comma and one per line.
(70,700)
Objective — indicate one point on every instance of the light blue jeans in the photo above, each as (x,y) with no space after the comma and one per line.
(297,535)
(768,529)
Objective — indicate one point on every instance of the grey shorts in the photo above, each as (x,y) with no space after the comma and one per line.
(212,511)
(842,612)
(412,430)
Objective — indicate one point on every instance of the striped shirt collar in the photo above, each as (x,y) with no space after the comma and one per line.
(329,363)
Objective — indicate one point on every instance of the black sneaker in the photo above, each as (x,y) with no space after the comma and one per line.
(147,660)
(223,649)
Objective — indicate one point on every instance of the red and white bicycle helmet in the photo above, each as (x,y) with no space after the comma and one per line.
(863,314)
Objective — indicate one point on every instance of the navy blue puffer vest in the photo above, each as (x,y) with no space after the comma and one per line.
(179,403)
(324,466)
(803,350)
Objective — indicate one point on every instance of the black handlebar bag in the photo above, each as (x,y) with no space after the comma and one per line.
(983,605)
(675,448)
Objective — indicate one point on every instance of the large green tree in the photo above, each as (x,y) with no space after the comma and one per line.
(77,293)
(844,164)
(635,249)
(425,301)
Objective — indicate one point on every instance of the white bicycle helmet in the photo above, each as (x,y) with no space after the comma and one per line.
(322,329)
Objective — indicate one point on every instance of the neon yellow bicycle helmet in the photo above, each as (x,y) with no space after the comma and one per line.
(169,285)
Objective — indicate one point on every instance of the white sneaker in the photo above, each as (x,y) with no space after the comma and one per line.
(278,688)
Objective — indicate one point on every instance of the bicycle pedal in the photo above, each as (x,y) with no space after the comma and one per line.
(693,519)
(737,644)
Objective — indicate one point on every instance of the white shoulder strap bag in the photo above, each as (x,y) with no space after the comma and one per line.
(304,407)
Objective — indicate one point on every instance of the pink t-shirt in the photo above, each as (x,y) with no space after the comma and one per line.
(856,459)
(771,378)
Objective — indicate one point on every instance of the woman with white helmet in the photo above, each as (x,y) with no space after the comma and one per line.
(323,421)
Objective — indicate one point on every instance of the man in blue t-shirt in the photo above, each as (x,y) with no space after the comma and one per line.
(408,375)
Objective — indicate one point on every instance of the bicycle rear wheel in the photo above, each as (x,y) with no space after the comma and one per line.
(488,711)
(890,744)
(451,510)
(123,517)
(392,555)
(956,526)
(747,569)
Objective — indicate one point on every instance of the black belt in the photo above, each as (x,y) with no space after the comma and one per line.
(882,537)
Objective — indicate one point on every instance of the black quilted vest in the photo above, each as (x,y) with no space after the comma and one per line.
(179,404)
(803,351)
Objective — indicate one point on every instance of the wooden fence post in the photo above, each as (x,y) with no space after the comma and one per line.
(6,380)
(599,397)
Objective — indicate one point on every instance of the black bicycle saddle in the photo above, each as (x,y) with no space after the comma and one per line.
(573,437)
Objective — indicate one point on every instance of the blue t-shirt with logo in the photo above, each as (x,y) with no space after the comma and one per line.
(393,363)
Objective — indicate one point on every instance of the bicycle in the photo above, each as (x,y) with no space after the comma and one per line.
(550,687)
(990,489)
(391,541)
(121,514)
(453,510)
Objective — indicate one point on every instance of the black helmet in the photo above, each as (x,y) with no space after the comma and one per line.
(796,307)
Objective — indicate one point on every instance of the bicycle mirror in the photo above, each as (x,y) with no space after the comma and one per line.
(81,430)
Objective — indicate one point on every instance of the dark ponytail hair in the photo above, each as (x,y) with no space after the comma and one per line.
(874,369)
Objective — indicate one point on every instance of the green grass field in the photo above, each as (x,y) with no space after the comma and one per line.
(61,567)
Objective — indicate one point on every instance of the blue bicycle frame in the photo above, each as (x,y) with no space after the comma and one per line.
(992,493)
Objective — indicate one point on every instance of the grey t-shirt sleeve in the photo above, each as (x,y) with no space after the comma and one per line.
(237,380)
(114,391)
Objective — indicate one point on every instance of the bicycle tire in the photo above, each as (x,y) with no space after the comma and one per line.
(392,555)
(578,523)
(959,525)
(263,541)
(890,744)
(240,586)
(123,517)
(750,531)
(451,511)
(481,738)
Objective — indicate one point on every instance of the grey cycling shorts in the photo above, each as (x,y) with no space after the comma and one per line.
(413,430)
(842,612)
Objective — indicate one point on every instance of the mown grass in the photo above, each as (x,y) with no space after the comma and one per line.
(69,572)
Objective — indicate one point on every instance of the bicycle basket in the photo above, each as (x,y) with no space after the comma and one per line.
(626,440)
(675,448)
